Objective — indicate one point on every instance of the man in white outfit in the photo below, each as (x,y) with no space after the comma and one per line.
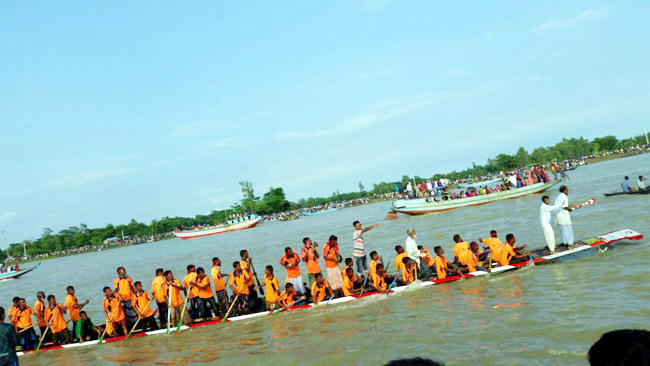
(545,212)
(411,247)
(563,219)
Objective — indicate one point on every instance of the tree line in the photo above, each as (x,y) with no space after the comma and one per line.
(274,201)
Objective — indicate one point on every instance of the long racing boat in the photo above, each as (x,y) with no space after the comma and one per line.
(242,223)
(562,252)
(15,274)
(419,206)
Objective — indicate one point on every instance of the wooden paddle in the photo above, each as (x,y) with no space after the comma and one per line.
(169,308)
(47,328)
(223,320)
(288,306)
(187,299)
(138,321)
(257,280)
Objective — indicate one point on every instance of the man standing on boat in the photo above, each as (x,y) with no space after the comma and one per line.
(331,256)
(359,251)
(411,246)
(563,219)
(545,212)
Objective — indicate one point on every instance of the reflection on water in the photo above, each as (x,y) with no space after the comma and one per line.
(547,314)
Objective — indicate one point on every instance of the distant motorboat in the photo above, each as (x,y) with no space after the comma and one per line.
(241,223)
(15,274)
(321,211)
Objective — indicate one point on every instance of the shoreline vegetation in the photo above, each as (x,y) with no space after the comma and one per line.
(274,202)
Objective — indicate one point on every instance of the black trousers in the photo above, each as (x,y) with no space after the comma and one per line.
(213,307)
(149,323)
(162,314)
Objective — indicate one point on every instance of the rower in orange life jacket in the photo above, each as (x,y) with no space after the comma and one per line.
(460,250)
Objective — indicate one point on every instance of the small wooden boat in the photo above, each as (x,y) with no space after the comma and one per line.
(642,191)
(15,274)
(321,211)
(242,223)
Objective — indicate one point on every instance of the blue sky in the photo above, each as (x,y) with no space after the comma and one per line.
(120,110)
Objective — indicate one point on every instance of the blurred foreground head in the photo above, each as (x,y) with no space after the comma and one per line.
(621,348)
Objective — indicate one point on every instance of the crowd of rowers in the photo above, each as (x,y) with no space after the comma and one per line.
(202,296)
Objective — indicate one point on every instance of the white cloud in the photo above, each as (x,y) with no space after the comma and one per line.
(85,178)
(202,128)
(8,216)
(586,17)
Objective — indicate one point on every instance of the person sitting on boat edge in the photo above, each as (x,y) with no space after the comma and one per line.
(626,185)
(461,249)
(378,279)
(510,254)
(398,258)
(427,259)
(475,256)
(408,270)
(350,286)
(85,329)
(442,264)
(320,289)
(641,183)
(374,260)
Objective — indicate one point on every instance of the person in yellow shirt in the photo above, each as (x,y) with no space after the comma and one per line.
(140,302)
(320,289)
(460,250)
(378,282)
(272,289)
(427,259)
(494,244)
(24,327)
(115,318)
(408,270)
(442,264)
(219,285)
(54,316)
(173,290)
(240,291)
(206,296)
(398,258)
(350,286)
(191,292)
(349,263)
(289,296)
(510,253)
(159,295)
(374,260)
(39,308)
(74,308)
(246,264)
(123,285)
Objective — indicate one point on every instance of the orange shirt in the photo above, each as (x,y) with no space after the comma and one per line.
(285,299)
(379,281)
(293,259)
(205,293)
(272,288)
(441,267)
(217,279)
(141,303)
(460,251)
(495,247)
(319,292)
(312,262)
(428,259)
(69,303)
(398,261)
(245,267)
(373,267)
(58,321)
(408,275)
(507,252)
(354,276)
(240,282)
(348,286)
(12,312)
(116,311)
(330,251)
(124,287)
(39,307)
(23,318)
(176,297)
(156,289)
(194,291)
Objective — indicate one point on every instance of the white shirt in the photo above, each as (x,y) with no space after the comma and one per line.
(545,212)
(641,184)
(562,217)
(408,187)
(411,249)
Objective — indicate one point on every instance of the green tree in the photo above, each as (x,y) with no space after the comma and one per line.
(523,159)
(361,187)
(606,143)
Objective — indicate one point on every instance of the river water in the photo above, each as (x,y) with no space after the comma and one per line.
(546,315)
